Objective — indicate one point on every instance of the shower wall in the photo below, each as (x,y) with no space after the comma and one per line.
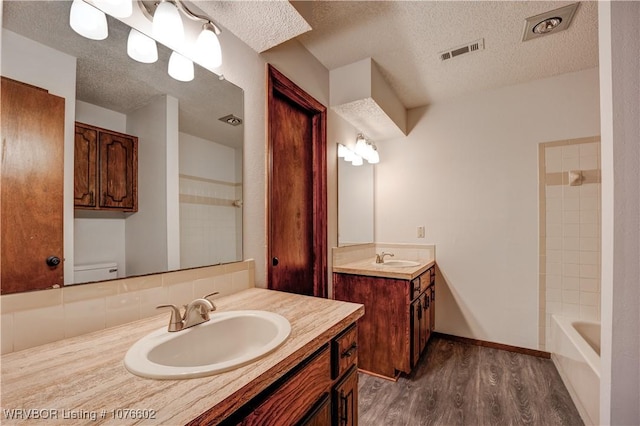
(570,205)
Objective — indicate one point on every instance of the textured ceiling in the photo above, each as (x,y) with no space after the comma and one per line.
(107,77)
(260,24)
(405,37)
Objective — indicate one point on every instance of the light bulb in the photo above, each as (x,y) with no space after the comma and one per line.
(167,25)
(180,67)
(357,160)
(88,21)
(348,155)
(116,8)
(141,48)
(208,51)
(342,150)
(374,158)
(361,146)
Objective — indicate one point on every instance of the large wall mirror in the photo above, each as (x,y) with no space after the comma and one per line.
(355,203)
(189,160)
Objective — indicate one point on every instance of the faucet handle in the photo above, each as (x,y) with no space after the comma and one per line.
(175,322)
(211,295)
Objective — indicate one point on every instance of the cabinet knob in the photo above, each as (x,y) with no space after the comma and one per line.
(53,261)
(275,261)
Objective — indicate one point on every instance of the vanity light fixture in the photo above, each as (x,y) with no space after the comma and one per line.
(88,21)
(208,47)
(364,150)
(116,8)
(166,26)
(141,47)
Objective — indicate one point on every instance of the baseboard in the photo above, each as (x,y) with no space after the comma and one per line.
(501,346)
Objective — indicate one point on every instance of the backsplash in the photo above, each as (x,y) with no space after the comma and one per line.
(35,318)
(354,253)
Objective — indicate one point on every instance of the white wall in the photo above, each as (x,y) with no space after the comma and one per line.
(208,222)
(33,63)
(619,43)
(100,240)
(468,172)
(147,229)
(101,117)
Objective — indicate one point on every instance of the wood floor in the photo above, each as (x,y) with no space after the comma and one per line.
(461,384)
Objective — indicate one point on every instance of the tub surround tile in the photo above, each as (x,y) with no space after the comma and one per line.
(569,229)
(590,284)
(56,370)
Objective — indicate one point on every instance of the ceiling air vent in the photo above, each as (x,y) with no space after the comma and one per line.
(474,46)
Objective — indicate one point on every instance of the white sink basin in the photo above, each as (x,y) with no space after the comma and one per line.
(228,340)
(397,264)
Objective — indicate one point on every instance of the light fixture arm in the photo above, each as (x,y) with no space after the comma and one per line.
(195,17)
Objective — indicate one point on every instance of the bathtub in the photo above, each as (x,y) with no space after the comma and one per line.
(575,351)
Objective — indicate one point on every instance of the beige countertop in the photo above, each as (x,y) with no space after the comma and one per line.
(84,377)
(367,267)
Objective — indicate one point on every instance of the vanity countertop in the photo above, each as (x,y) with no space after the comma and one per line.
(367,267)
(85,377)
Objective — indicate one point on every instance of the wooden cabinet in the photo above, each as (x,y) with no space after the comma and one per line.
(320,391)
(345,397)
(398,319)
(105,169)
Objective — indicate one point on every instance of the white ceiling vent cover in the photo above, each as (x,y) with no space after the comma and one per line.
(474,46)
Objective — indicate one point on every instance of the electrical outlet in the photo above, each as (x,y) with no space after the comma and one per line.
(420,231)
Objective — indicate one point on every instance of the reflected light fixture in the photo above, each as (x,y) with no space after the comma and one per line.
(180,68)
(88,21)
(141,47)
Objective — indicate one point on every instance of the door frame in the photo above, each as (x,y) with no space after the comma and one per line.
(278,83)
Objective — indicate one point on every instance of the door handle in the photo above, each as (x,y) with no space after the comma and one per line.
(275,261)
(53,261)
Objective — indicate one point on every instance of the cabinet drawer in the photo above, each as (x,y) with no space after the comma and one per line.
(345,351)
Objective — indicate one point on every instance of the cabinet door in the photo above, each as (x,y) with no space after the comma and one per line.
(118,171)
(346,400)
(427,314)
(416,317)
(320,415)
(85,168)
(432,308)
(424,320)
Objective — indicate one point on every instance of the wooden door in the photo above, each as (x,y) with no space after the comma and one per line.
(32,188)
(118,171)
(296,212)
(85,166)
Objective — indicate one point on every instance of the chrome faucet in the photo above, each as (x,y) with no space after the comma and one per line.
(380,257)
(195,313)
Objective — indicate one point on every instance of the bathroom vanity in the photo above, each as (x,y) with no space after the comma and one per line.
(310,379)
(399,313)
